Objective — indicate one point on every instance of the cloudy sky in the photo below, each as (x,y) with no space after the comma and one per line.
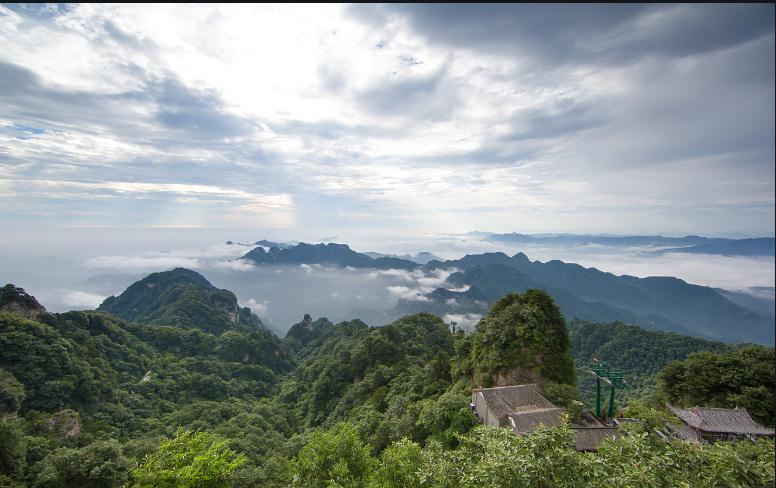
(130,124)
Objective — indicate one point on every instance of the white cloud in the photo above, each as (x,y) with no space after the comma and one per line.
(258,308)
(466,321)
(141,262)
(62,189)
(237,265)
(77,298)
(328,122)
(407,293)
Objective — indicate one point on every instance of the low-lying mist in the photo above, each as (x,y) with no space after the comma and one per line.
(281,295)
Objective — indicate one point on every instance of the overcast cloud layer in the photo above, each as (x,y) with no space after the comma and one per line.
(310,121)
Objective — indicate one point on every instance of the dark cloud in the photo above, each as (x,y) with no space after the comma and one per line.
(431,96)
(556,34)
(23,96)
(564,117)
(490,153)
(181,113)
(198,112)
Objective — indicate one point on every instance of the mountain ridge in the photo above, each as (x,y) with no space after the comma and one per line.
(184,298)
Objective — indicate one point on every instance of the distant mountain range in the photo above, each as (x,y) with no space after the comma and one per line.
(420,258)
(656,303)
(759,246)
(330,254)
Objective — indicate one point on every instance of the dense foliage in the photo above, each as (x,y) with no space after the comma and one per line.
(306,331)
(90,400)
(491,457)
(392,381)
(189,460)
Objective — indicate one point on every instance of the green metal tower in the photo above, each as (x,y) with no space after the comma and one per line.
(614,378)
(601,371)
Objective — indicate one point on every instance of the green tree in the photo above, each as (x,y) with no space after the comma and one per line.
(400,465)
(101,464)
(11,393)
(565,396)
(189,460)
(12,448)
(335,458)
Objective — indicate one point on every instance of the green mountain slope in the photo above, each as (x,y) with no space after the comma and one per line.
(181,298)
(639,353)
(658,303)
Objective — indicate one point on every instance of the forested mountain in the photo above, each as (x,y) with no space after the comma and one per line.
(181,298)
(89,380)
(330,254)
(657,303)
(306,331)
(522,339)
(85,398)
(637,352)
(478,280)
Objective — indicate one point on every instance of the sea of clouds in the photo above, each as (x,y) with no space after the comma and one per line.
(281,295)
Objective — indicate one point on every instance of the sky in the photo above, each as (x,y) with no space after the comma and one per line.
(127,127)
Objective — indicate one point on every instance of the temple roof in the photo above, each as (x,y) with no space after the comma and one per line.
(504,400)
(723,420)
(528,420)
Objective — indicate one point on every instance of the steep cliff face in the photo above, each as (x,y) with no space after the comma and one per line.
(15,300)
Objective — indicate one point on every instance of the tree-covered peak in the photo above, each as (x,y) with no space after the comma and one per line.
(308,329)
(522,339)
(15,300)
(181,298)
(328,254)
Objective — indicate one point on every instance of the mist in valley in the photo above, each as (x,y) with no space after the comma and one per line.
(281,295)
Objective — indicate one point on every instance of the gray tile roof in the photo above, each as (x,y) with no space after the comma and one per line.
(526,421)
(684,432)
(588,438)
(728,420)
(508,399)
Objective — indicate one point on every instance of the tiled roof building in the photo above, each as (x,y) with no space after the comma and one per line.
(494,406)
(702,424)
(522,408)
(588,438)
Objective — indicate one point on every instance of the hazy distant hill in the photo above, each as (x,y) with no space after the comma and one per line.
(422,257)
(181,298)
(760,246)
